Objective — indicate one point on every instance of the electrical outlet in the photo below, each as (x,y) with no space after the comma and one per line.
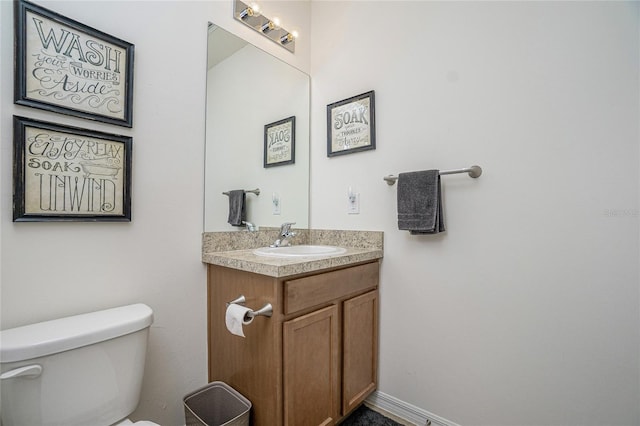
(353,203)
(275,204)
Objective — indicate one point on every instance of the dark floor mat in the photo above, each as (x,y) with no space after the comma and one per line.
(364,416)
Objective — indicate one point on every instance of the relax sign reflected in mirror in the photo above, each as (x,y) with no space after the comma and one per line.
(257,118)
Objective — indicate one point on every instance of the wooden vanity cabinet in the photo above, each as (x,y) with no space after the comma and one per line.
(360,349)
(311,361)
(315,359)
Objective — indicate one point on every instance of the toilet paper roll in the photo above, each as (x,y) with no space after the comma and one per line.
(236,317)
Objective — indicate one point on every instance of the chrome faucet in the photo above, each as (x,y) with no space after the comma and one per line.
(285,234)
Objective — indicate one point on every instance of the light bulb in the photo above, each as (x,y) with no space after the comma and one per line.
(246,13)
(269,26)
(256,8)
(287,38)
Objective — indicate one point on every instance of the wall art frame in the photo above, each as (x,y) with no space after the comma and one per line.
(351,125)
(280,142)
(63,173)
(66,67)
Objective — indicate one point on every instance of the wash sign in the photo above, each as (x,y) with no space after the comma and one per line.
(67,67)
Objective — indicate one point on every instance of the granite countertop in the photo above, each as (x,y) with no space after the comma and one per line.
(361,246)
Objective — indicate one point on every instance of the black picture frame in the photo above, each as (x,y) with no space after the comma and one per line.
(63,173)
(351,125)
(66,67)
(280,142)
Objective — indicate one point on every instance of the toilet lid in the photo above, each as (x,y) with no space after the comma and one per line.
(127,422)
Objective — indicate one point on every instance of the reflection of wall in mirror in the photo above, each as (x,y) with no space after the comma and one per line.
(244,92)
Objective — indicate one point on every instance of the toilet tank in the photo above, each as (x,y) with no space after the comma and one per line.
(81,370)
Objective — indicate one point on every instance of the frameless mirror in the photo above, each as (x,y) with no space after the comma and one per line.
(248,90)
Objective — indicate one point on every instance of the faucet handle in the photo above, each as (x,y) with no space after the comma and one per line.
(285,234)
(285,227)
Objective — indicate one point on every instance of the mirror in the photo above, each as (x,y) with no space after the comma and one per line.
(248,89)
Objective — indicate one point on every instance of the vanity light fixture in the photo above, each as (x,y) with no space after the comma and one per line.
(287,38)
(248,12)
(270,28)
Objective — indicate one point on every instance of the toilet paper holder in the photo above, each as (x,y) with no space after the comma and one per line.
(266,310)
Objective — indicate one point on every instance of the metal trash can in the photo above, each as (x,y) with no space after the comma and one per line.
(216,404)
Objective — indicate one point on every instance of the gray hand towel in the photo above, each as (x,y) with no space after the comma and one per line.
(420,202)
(237,211)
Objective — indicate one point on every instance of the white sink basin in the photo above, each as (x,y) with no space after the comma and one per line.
(299,251)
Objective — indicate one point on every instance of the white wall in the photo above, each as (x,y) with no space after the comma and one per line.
(50,270)
(526,310)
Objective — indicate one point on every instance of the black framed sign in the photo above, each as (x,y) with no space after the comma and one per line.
(67,67)
(280,142)
(351,125)
(63,173)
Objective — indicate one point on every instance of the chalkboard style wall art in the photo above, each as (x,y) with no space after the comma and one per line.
(63,173)
(351,125)
(70,68)
(280,142)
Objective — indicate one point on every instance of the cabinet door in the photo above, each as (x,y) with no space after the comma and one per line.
(310,366)
(360,349)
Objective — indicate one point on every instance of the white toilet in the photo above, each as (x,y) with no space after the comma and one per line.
(80,370)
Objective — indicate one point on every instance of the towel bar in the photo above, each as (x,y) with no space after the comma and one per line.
(474,172)
(253,191)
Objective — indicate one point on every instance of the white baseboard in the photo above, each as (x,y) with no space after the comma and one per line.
(406,411)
